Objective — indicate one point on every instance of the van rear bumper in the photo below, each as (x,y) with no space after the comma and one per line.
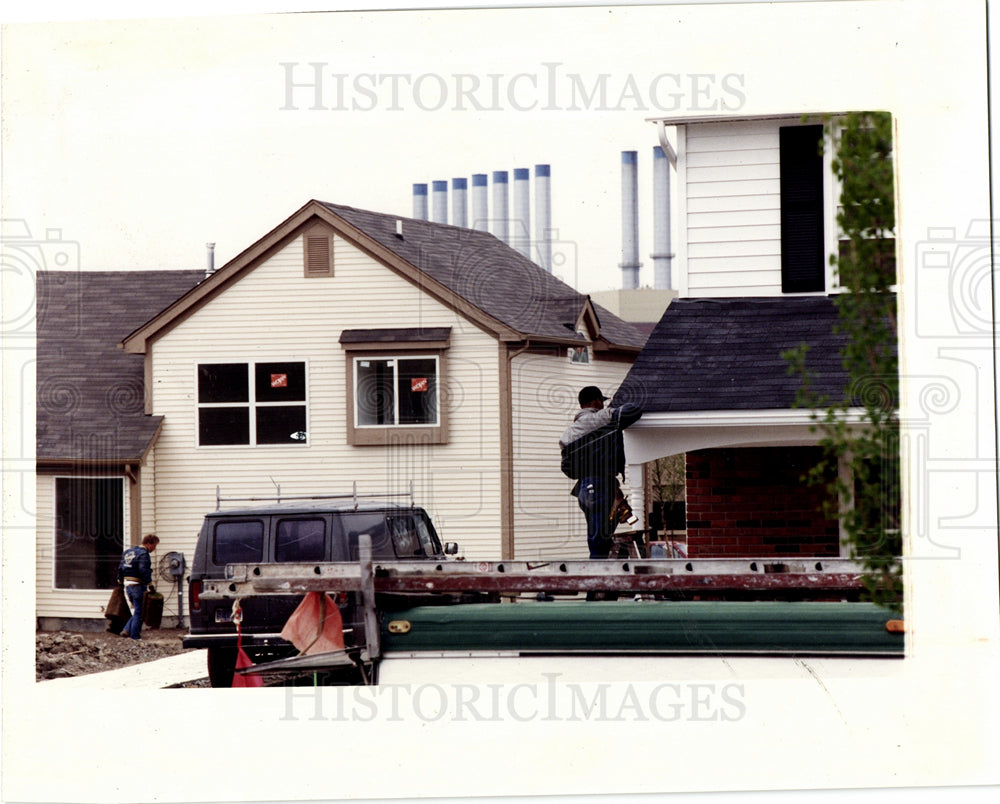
(229,640)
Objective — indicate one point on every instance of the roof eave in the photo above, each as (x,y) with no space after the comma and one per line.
(683,120)
(659,435)
(137,342)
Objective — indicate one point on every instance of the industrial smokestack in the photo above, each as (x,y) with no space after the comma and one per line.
(420,202)
(500,205)
(630,221)
(480,206)
(661,255)
(459,207)
(210,264)
(521,223)
(543,217)
(439,202)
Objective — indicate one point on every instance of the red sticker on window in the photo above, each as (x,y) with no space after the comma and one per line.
(418,384)
(279,380)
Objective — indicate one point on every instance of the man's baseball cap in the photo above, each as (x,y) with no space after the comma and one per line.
(591,394)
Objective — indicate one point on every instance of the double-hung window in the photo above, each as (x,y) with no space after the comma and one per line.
(395,379)
(252,404)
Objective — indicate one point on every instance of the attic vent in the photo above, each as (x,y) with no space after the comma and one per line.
(318,255)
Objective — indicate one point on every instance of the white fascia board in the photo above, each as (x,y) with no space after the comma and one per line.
(658,435)
(683,120)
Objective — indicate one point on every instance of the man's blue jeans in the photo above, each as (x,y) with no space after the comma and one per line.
(133,594)
(596,498)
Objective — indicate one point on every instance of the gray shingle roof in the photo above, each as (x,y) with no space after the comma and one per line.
(489,274)
(89,393)
(725,354)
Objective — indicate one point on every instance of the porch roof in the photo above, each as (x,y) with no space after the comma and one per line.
(719,354)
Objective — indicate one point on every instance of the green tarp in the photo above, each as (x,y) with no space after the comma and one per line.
(649,626)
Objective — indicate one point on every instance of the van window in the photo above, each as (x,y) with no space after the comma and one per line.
(373,524)
(300,540)
(238,542)
(404,537)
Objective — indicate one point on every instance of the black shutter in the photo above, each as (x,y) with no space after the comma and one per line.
(803,268)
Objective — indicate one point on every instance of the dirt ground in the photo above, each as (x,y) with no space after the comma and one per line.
(61,654)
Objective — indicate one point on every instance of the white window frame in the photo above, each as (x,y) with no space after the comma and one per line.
(394,359)
(126,525)
(251,403)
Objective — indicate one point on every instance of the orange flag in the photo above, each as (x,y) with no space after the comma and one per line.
(242,661)
(316,625)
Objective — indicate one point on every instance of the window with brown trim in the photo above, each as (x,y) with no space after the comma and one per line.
(395,379)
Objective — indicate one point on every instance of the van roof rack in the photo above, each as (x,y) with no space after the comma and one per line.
(277,497)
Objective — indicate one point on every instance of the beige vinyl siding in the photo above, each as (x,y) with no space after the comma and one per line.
(274,313)
(49,601)
(548,522)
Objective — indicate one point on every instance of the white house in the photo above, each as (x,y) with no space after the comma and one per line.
(756,227)
(342,347)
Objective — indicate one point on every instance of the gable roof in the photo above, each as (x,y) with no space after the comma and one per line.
(725,354)
(482,278)
(89,393)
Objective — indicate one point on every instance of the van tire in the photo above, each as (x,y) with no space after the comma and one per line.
(221,666)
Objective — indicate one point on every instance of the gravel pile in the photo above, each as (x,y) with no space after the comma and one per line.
(61,654)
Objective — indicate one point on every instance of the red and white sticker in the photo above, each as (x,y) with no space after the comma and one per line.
(279,380)
(418,384)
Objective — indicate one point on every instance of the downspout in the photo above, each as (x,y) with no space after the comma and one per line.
(134,505)
(507,448)
(668,149)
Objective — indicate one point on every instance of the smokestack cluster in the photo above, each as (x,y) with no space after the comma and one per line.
(513,229)
(661,255)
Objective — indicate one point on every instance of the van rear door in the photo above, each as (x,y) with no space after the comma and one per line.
(301,538)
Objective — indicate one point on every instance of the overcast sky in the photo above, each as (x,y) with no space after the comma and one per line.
(142,139)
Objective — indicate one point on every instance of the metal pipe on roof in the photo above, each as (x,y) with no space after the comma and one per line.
(439,202)
(500,228)
(480,206)
(543,217)
(630,221)
(420,202)
(210,264)
(459,206)
(521,222)
(661,256)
